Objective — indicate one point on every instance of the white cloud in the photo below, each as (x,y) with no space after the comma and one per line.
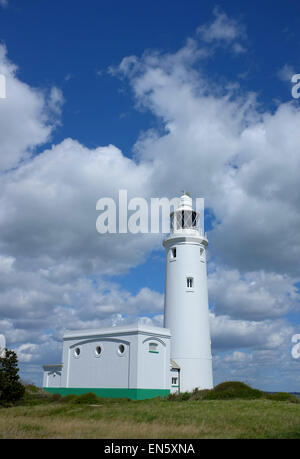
(55,102)
(286,72)
(6,264)
(26,116)
(223,30)
(228,334)
(219,143)
(49,208)
(26,352)
(253,296)
(238,357)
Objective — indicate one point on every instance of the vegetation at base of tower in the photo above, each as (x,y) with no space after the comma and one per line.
(190,415)
(232,390)
(229,390)
(11,388)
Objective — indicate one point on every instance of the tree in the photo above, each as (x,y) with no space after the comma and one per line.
(11,388)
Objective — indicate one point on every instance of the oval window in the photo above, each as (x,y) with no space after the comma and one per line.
(77,352)
(98,350)
(121,349)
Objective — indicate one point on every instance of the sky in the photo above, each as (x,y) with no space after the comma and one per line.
(150,97)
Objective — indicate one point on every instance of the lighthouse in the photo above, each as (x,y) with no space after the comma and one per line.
(186,297)
(140,361)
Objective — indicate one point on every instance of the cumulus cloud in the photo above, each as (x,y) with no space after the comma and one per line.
(223,30)
(50,215)
(27,116)
(235,334)
(220,143)
(253,296)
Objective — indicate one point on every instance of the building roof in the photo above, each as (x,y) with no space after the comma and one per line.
(124,330)
(55,365)
(174,365)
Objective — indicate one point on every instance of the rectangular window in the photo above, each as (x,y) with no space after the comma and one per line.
(153,347)
(173,253)
(174,381)
(190,282)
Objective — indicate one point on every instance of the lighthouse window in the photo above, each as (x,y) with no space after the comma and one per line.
(174,381)
(187,219)
(194,219)
(77,352)
(153,347)
(121,349)
(172,222)
(173,253)
(98,351)
(189,282)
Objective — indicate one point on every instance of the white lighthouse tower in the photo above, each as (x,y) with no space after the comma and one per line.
(186,298)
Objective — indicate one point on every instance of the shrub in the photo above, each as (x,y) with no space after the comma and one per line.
(34,396)
(69,398)
(11,388)
(31,388)
(233,390)
(283,397)
(198,394)
(178,397)
(225,391)
(88,398)
(55,397)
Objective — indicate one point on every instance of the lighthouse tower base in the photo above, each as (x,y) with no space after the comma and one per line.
(195,373)
(186,311)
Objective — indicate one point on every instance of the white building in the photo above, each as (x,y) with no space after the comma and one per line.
(141,362)
(186,299)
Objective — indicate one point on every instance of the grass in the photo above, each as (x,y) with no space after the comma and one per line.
(41,415)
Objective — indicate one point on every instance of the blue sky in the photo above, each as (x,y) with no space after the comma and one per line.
(152,98)
(68,45)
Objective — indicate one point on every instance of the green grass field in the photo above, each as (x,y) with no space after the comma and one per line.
(40,415)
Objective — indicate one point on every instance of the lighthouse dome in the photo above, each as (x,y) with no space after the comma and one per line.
(186,202)
(185,218)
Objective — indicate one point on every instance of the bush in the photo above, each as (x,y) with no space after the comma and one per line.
(198,394)
(11,388)
(34,396)
(230,390)
(178,397)
(283,397)
(89,398)
(55,397)
(225,391)
(69,398)
(233,390)
(31,388)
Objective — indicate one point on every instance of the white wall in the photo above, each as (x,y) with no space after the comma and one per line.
(109,369)
(186,311)
(153,367)
(52,375)
(135,368)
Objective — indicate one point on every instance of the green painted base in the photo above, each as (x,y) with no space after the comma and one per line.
(133,394)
